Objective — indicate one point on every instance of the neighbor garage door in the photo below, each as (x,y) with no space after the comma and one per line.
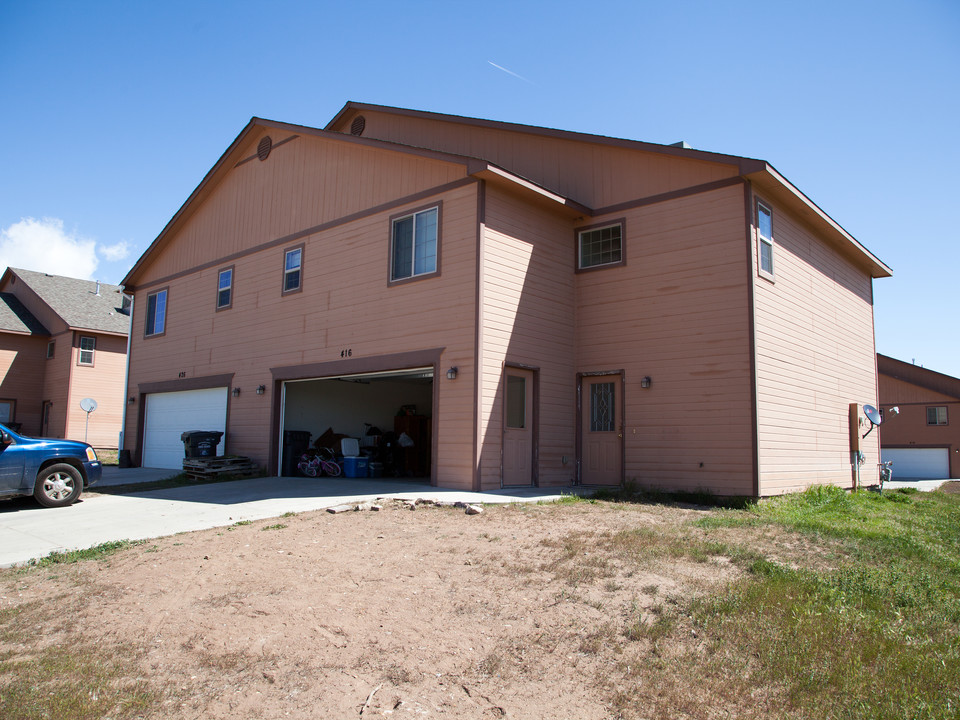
(168,415)
(921,463)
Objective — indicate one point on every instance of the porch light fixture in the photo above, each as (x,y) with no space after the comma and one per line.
(131,400)
(261,389)
(452,373)
(236,392)
(645,381)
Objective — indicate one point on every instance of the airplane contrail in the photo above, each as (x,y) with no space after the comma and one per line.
(510,72)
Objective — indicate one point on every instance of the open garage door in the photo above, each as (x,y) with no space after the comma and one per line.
(361,406)
(168,415)
(918,463)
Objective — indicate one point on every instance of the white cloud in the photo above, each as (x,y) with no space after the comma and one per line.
(115,252)
(44,246)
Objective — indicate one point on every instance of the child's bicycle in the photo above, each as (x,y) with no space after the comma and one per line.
(320,463)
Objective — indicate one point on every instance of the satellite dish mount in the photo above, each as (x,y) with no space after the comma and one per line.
(874,416)
(88,405)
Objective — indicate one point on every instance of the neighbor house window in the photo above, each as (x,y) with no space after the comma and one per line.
(156,313)
(414,244)
(598,246)
(225,289)
(6,411)
(937,415)
(87,346)
(765,236)
(51,348)
(292,266)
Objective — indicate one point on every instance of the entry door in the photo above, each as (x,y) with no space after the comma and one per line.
(518,428)
(45,418)
(601,441)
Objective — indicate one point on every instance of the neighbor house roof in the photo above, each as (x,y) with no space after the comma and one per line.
(15,318)
(81,304)
(918,375)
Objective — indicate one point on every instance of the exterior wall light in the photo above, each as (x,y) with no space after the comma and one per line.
(452,373)
(236,392)
(261,389)
(645,381)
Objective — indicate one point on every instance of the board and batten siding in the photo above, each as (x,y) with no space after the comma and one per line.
(588,172)
(103,381)
(814,355)
(345,305)
(527,319)
(303,183)
(678,312)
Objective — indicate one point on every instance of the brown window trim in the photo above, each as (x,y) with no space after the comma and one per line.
(233,275)
(13,408)
(407,213)
(51,349)
(622,222)
(80,350)
(283,270)
(166,312)
(771,274)
(946,415)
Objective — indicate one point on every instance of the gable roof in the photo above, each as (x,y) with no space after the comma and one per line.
(759,172)
(15,318)
(917,375)
(78,302)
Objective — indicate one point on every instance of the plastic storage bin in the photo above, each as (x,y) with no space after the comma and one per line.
(375,470)
(355,467)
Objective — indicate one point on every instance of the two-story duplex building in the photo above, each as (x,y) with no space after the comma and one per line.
(536,306)
(62,340)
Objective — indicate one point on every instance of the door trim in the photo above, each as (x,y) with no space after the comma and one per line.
(579,413)
(534,422)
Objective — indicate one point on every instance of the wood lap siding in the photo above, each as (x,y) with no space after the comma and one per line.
(677,312)
(21,357)
(527,311)
(815,356)
(104,383)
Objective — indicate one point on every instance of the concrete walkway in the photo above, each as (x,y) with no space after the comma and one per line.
(28,531)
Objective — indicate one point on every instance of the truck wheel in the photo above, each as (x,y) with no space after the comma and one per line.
(58,485)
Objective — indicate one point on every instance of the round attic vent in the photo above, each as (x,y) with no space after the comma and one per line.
(358,124)
(264,147)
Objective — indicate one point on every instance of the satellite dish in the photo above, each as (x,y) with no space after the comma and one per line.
(88,405)
(874,416)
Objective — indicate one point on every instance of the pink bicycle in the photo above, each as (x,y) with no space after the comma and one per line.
(322,462)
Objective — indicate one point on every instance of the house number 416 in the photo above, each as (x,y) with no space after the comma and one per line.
(346,353)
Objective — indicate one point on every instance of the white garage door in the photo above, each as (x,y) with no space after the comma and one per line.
(920,463)
(168,415)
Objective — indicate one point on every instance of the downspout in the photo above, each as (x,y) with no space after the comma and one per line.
(478,334)
(126,376)
(752,319)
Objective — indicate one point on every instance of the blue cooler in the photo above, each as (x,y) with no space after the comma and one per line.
(355,467)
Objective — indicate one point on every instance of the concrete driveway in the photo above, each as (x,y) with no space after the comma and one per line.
(28,531)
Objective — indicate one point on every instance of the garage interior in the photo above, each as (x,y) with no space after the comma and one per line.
(374,408)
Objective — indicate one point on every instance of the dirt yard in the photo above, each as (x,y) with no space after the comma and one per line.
(520,612)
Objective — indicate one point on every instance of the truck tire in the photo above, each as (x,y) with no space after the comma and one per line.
(58,485)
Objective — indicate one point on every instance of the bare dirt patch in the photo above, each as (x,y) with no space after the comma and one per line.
(524,612)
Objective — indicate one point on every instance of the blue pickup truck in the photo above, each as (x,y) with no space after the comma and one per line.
(54,471)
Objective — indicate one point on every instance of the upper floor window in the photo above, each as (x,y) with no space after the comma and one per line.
(600,245)
(937,415)
(765,236)
(414,244)
(7,408)
(87,346)
(292,266)
(225,289)
(51,349)
(156,322)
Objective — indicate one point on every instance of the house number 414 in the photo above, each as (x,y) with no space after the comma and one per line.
(346,353)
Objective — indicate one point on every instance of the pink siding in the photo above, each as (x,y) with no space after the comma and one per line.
(526,312)
(590,173)
(56,384)
(677,311)
(104,383)
(815,356)
(20,356)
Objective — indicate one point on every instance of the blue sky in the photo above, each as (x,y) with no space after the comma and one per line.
(114,111)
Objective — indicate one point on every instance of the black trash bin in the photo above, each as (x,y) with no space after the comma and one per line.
(295,444)
(201,443)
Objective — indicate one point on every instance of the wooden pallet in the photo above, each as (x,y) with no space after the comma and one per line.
(212,468)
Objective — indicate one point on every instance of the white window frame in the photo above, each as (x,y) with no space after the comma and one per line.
(419,216)
(159,327)
(764,241)
(594,229)
(288,271)
(81,350)
(228,289)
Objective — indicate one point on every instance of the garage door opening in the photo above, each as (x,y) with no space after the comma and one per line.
(388,413)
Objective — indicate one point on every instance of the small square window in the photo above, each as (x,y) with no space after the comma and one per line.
(415,244)
(937,415)
(599,246)
(292,266)
(225,289)
(51,349)
(156,322)
(7,408)
(765,236)
(87,346)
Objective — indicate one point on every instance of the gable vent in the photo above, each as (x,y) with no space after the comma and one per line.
(358,124)
(264,147)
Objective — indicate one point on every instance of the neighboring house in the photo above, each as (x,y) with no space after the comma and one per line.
(62,340)
(539,306)
(923,440)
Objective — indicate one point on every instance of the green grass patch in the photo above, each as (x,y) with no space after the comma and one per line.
(275,526)
(94,553)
